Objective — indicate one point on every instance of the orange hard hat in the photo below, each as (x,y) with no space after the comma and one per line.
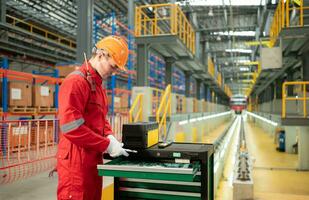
(117,48)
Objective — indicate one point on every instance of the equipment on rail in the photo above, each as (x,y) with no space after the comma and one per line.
(238,103)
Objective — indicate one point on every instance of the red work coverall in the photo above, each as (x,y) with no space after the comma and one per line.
(83,131)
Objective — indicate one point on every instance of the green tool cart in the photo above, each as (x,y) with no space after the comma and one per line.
(180,171)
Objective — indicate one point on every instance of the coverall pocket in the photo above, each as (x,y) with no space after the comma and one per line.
(63,154)
(63,158)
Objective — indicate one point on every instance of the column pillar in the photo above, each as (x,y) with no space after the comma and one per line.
(205,91)
(203,56)
(142,71)
(84,29)
(2,11)
(290,78)
(305,67)
(187,83)
(168,70)
(198,89)
(279,83)
(131,14)
(197,45)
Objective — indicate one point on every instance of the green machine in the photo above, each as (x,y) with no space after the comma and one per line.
(180,171)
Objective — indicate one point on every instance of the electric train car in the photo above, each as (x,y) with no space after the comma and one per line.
(238,103)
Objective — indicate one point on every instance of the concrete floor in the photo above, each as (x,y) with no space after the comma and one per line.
(274,173)
(38,187)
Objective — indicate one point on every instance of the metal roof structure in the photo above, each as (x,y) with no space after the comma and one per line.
(223,26)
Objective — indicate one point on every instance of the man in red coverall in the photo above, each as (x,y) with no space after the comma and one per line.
(84,130)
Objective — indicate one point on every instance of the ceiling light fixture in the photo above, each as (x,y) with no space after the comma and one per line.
(244,69)
(239,50)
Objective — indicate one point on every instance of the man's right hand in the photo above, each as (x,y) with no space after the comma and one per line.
(114,148)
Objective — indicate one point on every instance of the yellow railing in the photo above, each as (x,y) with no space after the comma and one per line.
(40,31)
(156,98)
(304,98)
(227,90)
(138,102)
(282,18)
(163,19)
(164,110)
(211,67)
(255,75)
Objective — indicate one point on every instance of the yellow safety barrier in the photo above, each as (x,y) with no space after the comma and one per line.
(304,98)
(180,137)
(165,108)
(194,135)
(162,19)
(156,98)
(282,17)
(255,75)
(211,67)
(40,31)
(227,90)
(138,102)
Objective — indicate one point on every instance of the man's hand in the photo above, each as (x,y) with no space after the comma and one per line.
(114,148)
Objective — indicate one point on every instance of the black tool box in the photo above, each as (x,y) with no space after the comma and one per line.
(140,135)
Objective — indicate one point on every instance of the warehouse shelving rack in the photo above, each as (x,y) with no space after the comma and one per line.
(109,25)
(28,145)
(35,77)
(178,81)
(156,72)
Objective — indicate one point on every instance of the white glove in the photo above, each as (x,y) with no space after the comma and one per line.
(114,148)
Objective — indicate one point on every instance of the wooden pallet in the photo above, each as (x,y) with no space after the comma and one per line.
(43,109)
(22,109)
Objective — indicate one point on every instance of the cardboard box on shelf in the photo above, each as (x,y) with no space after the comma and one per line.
(66,70)
(20,94)
(42,136)
(18,138)
(43,95)
(124,101)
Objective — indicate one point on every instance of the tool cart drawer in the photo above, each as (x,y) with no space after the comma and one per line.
(150,170)
(154,180)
